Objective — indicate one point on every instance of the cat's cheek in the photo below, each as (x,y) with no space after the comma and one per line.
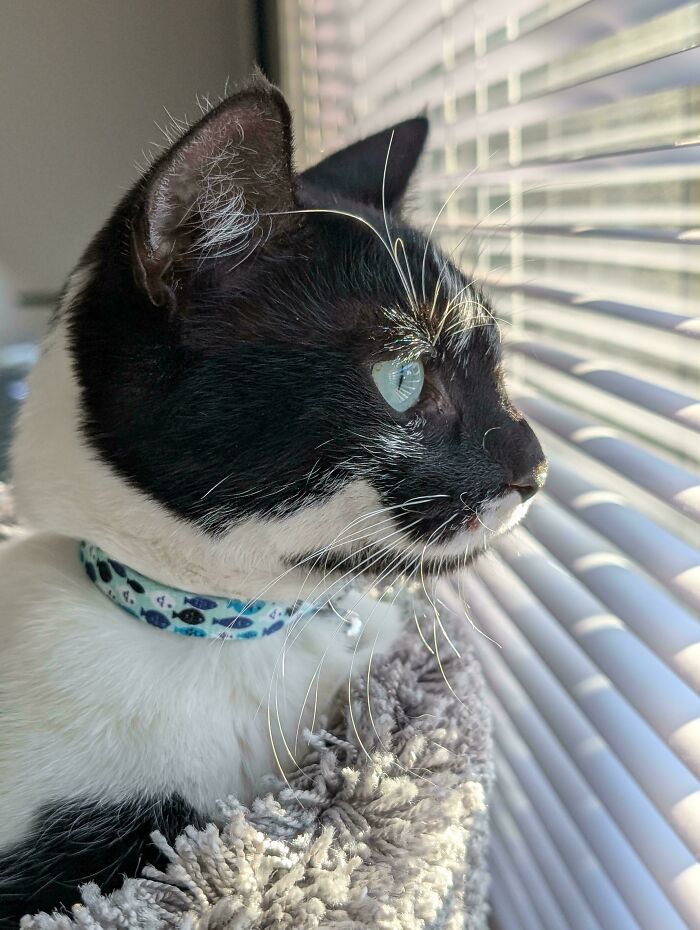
(328,522)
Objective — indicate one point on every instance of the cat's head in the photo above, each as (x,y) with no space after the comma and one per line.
(254,369)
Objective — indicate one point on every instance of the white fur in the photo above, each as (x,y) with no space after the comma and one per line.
(96,706)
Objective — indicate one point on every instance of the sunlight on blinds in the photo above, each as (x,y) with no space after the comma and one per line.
(564,155)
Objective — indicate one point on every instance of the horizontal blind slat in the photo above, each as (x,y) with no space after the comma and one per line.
(645,429)
(660,710)
(540,102)
(591,250)
(583,772)
(677,407)
(510,879)
(670,560)
(554,873)
(379,50)
(596,712)
(543,901)
(501,905)
(668,629)
(648,316)
(668,482)
(649,358)
(614,484)
(689,237)
(607,166)
(572,30)
(590,747)
(426,67)
(680,69)
(559,820)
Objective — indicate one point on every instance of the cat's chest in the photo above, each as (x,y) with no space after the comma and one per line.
(103,707)
(198,719)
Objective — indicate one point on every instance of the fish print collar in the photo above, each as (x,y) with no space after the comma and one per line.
(180,612)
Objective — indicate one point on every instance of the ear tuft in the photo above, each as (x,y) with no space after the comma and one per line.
(213,192)
(375,170)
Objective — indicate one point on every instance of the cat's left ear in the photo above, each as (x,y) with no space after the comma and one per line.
(375,170)
(219,190)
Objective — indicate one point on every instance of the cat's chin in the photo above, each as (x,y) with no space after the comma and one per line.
(419,559)
(494,519)
(338,567)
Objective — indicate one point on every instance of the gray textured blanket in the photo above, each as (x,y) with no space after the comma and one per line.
(384,826)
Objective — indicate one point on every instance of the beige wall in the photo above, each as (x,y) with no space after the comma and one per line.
(81,84)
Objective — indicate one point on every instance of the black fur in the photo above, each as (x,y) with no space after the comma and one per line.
(219,384)
(357,173)
(231,378)
(73,844)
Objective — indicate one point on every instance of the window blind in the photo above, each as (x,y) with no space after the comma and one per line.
(564,161)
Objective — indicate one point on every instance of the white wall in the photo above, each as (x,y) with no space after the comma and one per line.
(81,84)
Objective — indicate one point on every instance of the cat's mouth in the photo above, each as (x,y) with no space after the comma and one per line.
(451,532)
(375,561)
(457,541)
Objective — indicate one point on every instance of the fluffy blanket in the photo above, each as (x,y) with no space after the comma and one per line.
(384,826)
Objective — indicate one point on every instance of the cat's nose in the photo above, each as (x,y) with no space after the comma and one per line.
(525,464)
(529,483)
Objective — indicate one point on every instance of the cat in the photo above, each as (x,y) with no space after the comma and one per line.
(262,391)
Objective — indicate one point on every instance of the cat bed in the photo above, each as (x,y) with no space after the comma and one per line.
(383,826)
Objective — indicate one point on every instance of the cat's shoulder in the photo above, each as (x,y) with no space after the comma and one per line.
(41,578)
(28,551)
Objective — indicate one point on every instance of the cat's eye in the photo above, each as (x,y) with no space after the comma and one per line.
(399,381)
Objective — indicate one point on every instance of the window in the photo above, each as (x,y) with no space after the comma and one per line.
(565,157)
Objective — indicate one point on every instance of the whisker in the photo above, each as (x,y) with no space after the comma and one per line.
(393,250)
(435,222)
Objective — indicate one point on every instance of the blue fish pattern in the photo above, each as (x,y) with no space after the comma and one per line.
(201,603)
(273,629)
(105,571)
(160,606)
(190,615)
(155,618)
(246,607)
(233,623)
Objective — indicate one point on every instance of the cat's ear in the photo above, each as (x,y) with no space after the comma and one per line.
(217,190)
(375,170)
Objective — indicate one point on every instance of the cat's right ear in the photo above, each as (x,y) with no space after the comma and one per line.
(217,191)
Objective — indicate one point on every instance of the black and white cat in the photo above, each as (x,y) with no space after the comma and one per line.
(259,385)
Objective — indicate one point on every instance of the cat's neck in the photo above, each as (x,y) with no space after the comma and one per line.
(205,567)
(62,486)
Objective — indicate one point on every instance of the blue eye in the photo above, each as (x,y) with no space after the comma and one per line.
(399,381)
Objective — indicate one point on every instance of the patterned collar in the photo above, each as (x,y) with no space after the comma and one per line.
(179,611)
